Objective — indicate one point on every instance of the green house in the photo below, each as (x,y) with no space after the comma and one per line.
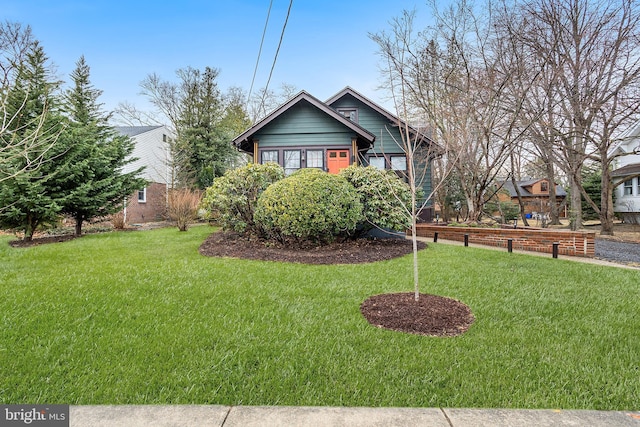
(346,129)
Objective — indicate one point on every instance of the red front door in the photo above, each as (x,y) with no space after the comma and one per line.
(337,160)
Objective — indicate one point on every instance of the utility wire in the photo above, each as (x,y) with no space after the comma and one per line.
(255,71)
(275,58)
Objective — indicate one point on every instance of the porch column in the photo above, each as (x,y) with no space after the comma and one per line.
(354,150)
(256,160)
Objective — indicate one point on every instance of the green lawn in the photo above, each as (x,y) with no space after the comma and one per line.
(142,318)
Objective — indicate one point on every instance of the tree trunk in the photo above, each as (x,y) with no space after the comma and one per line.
(517,189)
(30,228)
(79,220)
(606,203)
(554,209)
(576,204)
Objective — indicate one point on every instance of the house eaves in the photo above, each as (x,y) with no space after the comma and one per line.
(247,136)
(632,169)
(132,131)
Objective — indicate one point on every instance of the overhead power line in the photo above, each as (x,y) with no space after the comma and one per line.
(275,58)
(255,71)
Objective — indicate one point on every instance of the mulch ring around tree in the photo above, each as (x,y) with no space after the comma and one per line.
(234,245)
(431,315)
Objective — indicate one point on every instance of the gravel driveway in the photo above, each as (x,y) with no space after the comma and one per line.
(621,252)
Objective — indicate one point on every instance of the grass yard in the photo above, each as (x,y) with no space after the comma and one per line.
(143,318)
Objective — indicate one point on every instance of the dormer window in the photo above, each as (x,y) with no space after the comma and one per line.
(544,186)
(349,113)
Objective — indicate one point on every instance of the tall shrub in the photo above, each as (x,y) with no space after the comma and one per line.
(386,199)
(232,198)
(310,205)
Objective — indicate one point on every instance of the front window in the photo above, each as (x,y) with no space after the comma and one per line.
(377,162)
(268,156)
(291,161)
(142,195)
(628,188)
(315,159)
(399,163)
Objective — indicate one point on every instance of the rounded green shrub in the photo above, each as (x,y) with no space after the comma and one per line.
(386,199)
(310,205)
(232,198)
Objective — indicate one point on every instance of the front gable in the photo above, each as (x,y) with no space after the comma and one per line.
(304,125)
(303,121)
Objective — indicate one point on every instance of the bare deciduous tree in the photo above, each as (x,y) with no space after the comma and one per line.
(591,53)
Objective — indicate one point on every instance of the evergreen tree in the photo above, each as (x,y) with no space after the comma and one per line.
(204,121)
(32,196)
(95,155)
(202,142)
(592,184)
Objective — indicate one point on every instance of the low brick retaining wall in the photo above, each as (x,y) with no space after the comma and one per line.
(572,243)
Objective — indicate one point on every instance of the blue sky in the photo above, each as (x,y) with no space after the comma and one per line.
(325,47)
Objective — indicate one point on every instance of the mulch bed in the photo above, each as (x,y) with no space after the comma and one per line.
(432,315)
(234,245)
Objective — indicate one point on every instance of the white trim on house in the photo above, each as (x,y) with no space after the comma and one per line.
(626,169)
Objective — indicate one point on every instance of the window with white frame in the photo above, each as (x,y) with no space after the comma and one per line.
(628,188)
(315,159)
(291,161)
(268,156)
(142,195)
(377,162)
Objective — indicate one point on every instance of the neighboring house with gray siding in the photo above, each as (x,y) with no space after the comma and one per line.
(148,204)
(346,129)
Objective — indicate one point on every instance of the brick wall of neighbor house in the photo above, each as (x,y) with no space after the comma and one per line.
(154,209)
(572,243)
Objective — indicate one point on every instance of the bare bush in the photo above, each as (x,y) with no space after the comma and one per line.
(183,207)
(118,220)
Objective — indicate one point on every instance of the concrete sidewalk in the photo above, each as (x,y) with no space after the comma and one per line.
(248,416)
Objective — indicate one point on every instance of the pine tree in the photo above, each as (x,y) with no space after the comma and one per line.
(32,196)
(95,155)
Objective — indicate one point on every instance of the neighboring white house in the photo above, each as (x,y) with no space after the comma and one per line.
(627,169)
(152,151)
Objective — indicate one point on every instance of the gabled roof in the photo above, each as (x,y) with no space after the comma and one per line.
(632,169)
(350,91)
(135,130)
(631,133)
(522,185)
(389,116)
(303,96)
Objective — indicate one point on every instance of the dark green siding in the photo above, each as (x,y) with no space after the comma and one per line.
(386,133)
(304,125)
(388,140)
